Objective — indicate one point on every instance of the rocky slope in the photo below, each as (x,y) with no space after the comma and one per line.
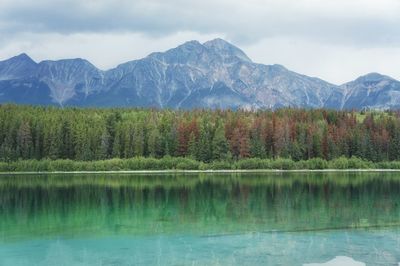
(214,74)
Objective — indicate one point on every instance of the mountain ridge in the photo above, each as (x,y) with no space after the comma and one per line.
(213,74)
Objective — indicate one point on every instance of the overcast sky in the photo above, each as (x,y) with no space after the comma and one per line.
(337,40)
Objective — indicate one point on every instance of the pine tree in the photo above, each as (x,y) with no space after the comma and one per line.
(38,141)
(116,151)
(139,141)
(220,145)
(394,148)
(104,144)
(192,146)
(129,141)
(111,125)
(66,149)
(154,143)
(204,144)
(24,141)
(7,151)
(183,139)
(257,148)
(244,147)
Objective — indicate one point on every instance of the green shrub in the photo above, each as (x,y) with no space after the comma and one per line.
(388,165)
(252,163)
(339,163)
(4,167)
(283,164)
(351,163)
(315,163)
(302,164)
(357,163)
(219,165)
(184,163)
(188,164)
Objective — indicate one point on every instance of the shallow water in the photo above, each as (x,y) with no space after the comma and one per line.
(200,219)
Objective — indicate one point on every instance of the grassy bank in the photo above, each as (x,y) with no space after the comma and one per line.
(177,163)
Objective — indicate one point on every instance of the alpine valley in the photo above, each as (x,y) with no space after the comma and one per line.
(214,74)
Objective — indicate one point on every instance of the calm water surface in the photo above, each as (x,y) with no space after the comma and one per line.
(200,219)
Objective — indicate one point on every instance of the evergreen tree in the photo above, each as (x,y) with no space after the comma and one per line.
(192,146)
(219,144)
(67,147)
(116,151)
(204,152)
(24,141)
(154,143)
(111,125)
(7,151)
(139,141)
(105,144)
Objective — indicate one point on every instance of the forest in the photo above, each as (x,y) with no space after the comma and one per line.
(207,136)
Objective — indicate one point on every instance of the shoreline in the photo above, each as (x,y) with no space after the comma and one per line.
(200,171)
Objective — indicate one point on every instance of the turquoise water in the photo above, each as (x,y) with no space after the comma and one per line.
(200,219)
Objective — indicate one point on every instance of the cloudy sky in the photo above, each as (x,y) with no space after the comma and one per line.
(336,40)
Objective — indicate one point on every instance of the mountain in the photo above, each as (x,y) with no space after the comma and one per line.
(373,91)
(20,66)
(214,74)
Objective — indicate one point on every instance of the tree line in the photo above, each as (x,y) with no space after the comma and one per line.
(28,132)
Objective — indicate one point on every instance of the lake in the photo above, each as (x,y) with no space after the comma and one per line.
(201,219)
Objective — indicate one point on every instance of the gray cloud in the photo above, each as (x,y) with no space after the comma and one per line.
(336,40)
(362,23)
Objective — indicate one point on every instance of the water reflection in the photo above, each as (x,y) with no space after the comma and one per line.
(201,219)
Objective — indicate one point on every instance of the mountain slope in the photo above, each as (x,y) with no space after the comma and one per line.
(215,74)
(374,91)
(21,66)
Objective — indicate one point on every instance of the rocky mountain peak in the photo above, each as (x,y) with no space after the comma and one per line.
(69,62)
(21,58)
(17,66)
(226,49)
(186,53)
(372,77)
